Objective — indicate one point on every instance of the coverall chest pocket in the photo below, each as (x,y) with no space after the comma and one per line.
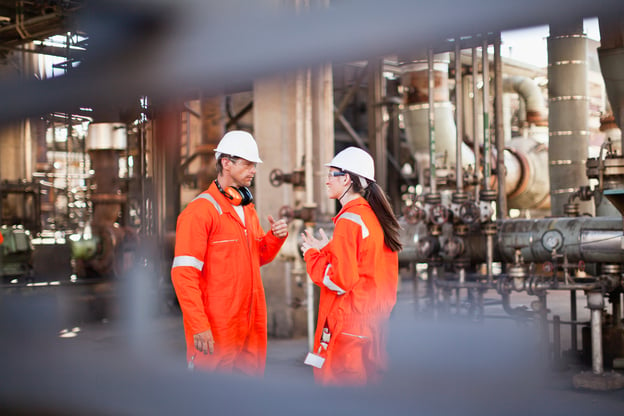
(225,262)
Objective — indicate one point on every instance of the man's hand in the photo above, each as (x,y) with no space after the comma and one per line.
(204,342)
(279,227)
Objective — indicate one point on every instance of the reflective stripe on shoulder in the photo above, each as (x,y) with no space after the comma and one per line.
(331,285)
(187,261)
(356,219)
(209,198)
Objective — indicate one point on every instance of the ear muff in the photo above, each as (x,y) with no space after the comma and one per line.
(247,197)
(237,196)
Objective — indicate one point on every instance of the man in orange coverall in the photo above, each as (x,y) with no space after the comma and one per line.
(357,271)
(219,249)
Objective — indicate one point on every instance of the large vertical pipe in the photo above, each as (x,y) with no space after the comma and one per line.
(568,116)
(431,119)
(166,150)
(376,126)
(501,206)
(458,116)
(416,111)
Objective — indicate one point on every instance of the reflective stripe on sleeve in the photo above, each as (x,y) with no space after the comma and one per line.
(331,285)
(358,220)
(187,261)
(209,198)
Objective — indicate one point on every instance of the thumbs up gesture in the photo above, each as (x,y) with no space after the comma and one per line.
(279,227)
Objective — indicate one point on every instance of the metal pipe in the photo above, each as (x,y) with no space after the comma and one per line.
(596,335)
(486,117)
(431,118)
(544,285)
(475,121)
(590,239)
(530,92)
(489,257)
(501,206)
(573,318)
(458,117)
(309,191)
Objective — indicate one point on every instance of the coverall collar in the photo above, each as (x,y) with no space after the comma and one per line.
(354,202)
(226,206)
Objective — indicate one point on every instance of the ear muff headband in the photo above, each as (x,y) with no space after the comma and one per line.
(237,196)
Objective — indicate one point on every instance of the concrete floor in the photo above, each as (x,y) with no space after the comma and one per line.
(437,366)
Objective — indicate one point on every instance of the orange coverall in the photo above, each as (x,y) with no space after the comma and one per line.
(358,277)
(216,276)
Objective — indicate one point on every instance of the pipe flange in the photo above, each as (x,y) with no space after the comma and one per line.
(489,228)
(460,197)
(433,198)
(461,229)
(435,230)
(488,195)
(613,269)
(571,210)
(517,271)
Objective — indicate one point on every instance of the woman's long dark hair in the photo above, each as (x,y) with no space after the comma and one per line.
(381,207)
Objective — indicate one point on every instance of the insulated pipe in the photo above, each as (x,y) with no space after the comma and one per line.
(458,117)
(568,116)
(416,111)
(531,94)
(588,239)
(526,180)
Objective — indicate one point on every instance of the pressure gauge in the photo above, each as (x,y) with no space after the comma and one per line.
(552,240)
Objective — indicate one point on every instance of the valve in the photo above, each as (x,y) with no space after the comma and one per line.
(286,212)
(427,247)
(469,212)
(439,214)
(453,247)
(414,214)
(277,177)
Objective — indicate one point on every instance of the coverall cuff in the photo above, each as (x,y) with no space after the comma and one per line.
(276,237)
(309,252)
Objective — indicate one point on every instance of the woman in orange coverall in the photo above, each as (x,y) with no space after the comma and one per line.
(219,249)
(357,271)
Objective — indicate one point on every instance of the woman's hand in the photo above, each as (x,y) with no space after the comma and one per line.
(309,241)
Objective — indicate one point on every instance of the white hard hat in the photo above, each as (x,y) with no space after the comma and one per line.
(355,160)
(240,144)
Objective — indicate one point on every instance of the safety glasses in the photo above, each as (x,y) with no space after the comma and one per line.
(333,174)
